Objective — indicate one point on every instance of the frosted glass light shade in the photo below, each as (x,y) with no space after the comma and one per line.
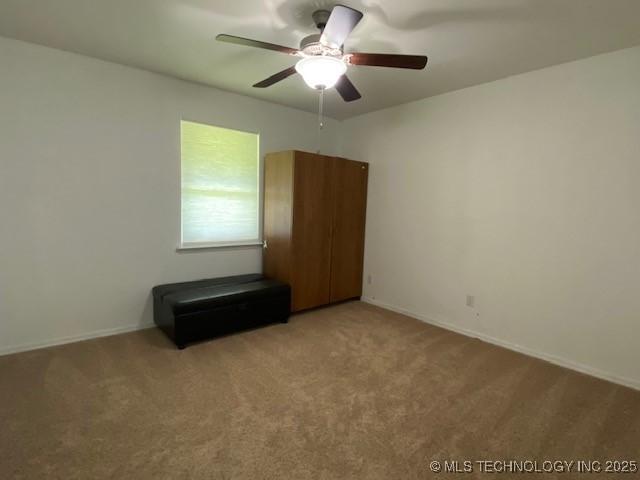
(321,72)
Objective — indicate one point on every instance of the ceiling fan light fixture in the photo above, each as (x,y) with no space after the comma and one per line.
(321,72)
(324,63)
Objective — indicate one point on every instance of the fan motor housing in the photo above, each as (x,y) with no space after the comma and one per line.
(311,46)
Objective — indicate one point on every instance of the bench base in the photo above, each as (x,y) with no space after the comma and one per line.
(192,311)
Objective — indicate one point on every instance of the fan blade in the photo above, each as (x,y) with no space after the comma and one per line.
(340,24)
(347,90)
(247,42)
(416,62)
(267,82)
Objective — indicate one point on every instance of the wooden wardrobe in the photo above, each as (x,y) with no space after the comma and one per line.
(314,221)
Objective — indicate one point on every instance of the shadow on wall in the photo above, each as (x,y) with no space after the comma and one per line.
(146,319)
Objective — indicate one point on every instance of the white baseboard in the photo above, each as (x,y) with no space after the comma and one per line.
(72,338)
(562,362)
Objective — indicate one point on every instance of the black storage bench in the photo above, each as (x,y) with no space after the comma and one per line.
(202,309)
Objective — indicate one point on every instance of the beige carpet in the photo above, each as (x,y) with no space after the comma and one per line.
(351,391)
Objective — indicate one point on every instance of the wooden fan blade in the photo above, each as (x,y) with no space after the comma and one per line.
(275,78)
(347,90)
(340,24)
(416,62)
(247,42)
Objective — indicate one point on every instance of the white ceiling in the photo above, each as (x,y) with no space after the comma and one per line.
(468,41)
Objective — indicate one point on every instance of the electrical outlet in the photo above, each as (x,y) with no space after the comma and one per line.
(471,301)
(369,279)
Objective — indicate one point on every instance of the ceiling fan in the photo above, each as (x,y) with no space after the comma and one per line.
(324,63)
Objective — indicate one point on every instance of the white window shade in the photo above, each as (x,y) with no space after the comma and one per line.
(220,181)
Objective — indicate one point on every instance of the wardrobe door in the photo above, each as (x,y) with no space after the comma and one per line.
(349,212)
(278,208)
(312,212)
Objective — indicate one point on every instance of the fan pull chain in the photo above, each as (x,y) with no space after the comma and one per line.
(320,118)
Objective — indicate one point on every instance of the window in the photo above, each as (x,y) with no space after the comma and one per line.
(220,178)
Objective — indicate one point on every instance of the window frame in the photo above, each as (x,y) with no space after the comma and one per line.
(199,246)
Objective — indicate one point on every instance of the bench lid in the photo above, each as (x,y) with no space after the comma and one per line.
(161,290)
(208,297)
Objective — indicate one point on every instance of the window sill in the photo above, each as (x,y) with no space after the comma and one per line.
(216,246)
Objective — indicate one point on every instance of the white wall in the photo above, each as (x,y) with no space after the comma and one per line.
(525,193)
(89,189)
(522,192)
